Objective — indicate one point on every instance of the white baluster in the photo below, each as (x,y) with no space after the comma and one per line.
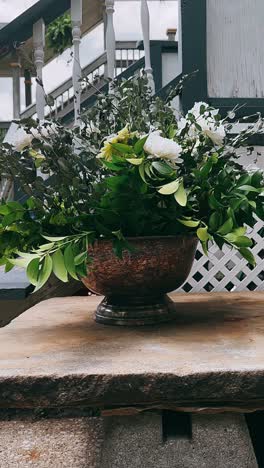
(16,66)
(39,44)
(110,40)
(145,30)
(76,16)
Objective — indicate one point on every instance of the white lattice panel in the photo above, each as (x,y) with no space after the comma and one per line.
(226,270)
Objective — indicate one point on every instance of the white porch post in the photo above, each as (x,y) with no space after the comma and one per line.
(110,40)
(146,41)
(76,16)
(39,44)
(15,65)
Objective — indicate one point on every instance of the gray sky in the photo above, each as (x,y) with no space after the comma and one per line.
(163,15)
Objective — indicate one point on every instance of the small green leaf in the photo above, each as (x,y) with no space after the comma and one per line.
(170,188)
(236,202)
(4,210)
(189,222)
(58,265)
(243,241)
(138,147)
(45,272)
(80,258)
(202,234)
(226,227)
(69,262)
(20,262)
(214,221)
(162,168)
(245,179)
(8,266)
(206,169)
(172,132)
(81,270)
(248,256)
(181,195)
(122,148)
(135,161)
(46,246)
(213,202)
(248,188)
(241,231)
(15,206)
(112,166)
(33,271)
(205,247)
(54,239)
(253,204)
(257,178)
(231,237)
(141,171)
(27,255)
(10,218)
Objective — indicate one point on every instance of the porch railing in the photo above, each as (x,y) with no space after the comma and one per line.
(61,99)
(6,186)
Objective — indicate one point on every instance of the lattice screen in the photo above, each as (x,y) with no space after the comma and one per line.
(226,270)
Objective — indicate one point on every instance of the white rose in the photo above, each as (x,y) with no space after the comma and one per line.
(161,147)
(214,132)
(217,136)
(22,142)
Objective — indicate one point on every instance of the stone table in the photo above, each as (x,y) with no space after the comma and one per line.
(78,394)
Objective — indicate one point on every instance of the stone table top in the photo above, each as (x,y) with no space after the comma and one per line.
(211,355)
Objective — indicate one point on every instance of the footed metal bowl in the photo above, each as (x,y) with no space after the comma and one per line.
(135,286)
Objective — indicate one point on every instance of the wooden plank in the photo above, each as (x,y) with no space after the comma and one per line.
(234,48)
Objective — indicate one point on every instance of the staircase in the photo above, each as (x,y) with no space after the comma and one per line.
(94,79)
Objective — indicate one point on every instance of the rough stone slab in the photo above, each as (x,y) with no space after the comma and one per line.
(213,353)
(219,441)
(58,443)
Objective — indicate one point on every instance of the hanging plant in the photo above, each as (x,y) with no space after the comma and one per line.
(59,34)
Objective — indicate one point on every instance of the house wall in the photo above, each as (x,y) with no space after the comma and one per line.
(235,56)
(170,67)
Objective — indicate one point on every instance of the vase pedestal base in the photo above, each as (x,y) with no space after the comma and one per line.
(135,311)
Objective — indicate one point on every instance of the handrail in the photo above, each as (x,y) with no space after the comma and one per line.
(90,100)
(165,91)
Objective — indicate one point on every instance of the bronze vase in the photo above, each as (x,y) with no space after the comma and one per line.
(136,286)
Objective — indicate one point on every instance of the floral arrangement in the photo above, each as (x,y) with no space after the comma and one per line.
(132,169)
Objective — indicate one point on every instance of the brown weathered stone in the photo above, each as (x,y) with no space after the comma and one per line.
(211,355)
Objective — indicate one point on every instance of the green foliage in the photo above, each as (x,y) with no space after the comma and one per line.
(59,34)
(108,180)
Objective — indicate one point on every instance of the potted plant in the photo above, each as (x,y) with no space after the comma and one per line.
(121,202)
(59,34)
